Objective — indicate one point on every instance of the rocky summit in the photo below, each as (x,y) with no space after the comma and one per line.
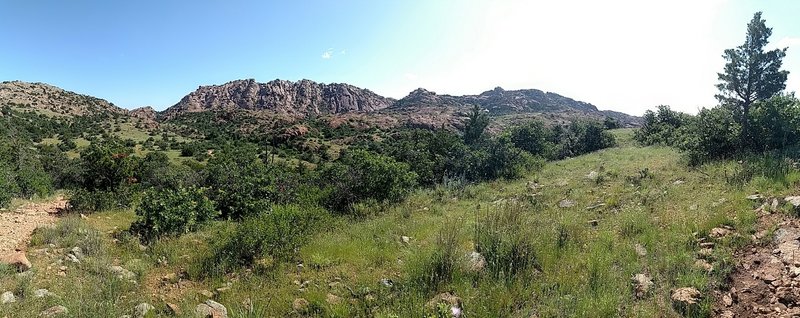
(301,98)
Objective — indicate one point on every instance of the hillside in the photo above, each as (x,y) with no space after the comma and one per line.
(53,101)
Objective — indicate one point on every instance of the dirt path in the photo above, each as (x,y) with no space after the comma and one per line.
(766,280)
(16,225)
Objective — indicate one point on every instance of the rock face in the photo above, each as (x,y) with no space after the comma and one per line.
(300,98)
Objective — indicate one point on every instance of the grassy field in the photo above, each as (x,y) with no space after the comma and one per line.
(575,261)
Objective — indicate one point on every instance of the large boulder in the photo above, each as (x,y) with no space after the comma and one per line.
(7,297)
(686,300)
(641,285)
(211,309)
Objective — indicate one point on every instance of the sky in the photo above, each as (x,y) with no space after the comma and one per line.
(623,55)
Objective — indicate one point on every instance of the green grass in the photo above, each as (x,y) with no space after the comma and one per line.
(577,270)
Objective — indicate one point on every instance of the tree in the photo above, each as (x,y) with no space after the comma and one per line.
(751,74)
(475,125)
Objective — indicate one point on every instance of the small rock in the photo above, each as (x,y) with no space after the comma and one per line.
(333,299)
(640,250)
(7,297)
(223,289)
(206,293)
(707,245)
(593,176)
(173,309)
(73,258)
(300,305)
(211,309)
(727,300)
(406,240)
(170,278)
(704,265)
(77,252)
(678,182)
(451,300)
(142,309)
(718,232)
(685,298)
(41,293)
(641,285)
(387,282)
(476,261)
(774,206)
(566,203)
(727,314)
(793,200)
(122,273)
(755,197)
(54,311)
(593,223)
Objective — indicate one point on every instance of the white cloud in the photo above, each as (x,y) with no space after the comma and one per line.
(788,42)
(327,54)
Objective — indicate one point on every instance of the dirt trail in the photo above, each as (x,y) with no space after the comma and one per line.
(766,280)
(16,225)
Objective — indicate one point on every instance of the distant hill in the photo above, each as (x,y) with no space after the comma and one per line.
(307,98)
(54,101)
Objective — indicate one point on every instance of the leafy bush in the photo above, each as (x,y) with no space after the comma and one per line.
(168,212)
(85,201)
(274,235)
(535,138)
(714,135)
(241,184)
(663,127)
(360,175)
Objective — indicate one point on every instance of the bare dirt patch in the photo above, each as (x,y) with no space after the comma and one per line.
(766,280)
(16,225)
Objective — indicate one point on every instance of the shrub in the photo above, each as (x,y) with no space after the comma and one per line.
(714,135)
(535,138)
(86,201)
(169,212)
(663,127)
(240,182)
(7,186)
(275,234)
(360,175)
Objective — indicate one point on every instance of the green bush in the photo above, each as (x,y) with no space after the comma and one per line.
(535,138)
(714,135)
(663,127)
(7,186)
(168,212)
(275,235)
(360,175)
(240,182)
(86,201)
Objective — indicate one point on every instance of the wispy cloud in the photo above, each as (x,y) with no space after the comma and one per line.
(327,54)
(788,42)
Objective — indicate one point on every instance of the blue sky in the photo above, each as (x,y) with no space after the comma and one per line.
(626,55)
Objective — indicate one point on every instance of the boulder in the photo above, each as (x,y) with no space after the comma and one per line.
(17,260)
(718,232)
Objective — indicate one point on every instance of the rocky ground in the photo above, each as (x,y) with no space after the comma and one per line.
(16,225)
(766,279)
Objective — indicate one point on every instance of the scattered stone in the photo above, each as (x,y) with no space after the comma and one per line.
(406,240)
(707,245)
(719,232)
(73,258)
(783,235)
(451,300)
(170,278)
(727,300)
(41,293)
(7,297)
(774,206)
(640,250)
(223,289)
(122,273)
(211,309)
(755,197)
(678,182)
(300,305)
(793,200)
(18,260)
(566,203)
(173,309)
(705,252)
(704,265)
(641,285)
(206,293)
(685,299)
(727,314)
(387,282)
(770,271)
(476,261)
(77,252)
(142,309)
(54,311)
(593,175)
(593,223)
(333,299)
